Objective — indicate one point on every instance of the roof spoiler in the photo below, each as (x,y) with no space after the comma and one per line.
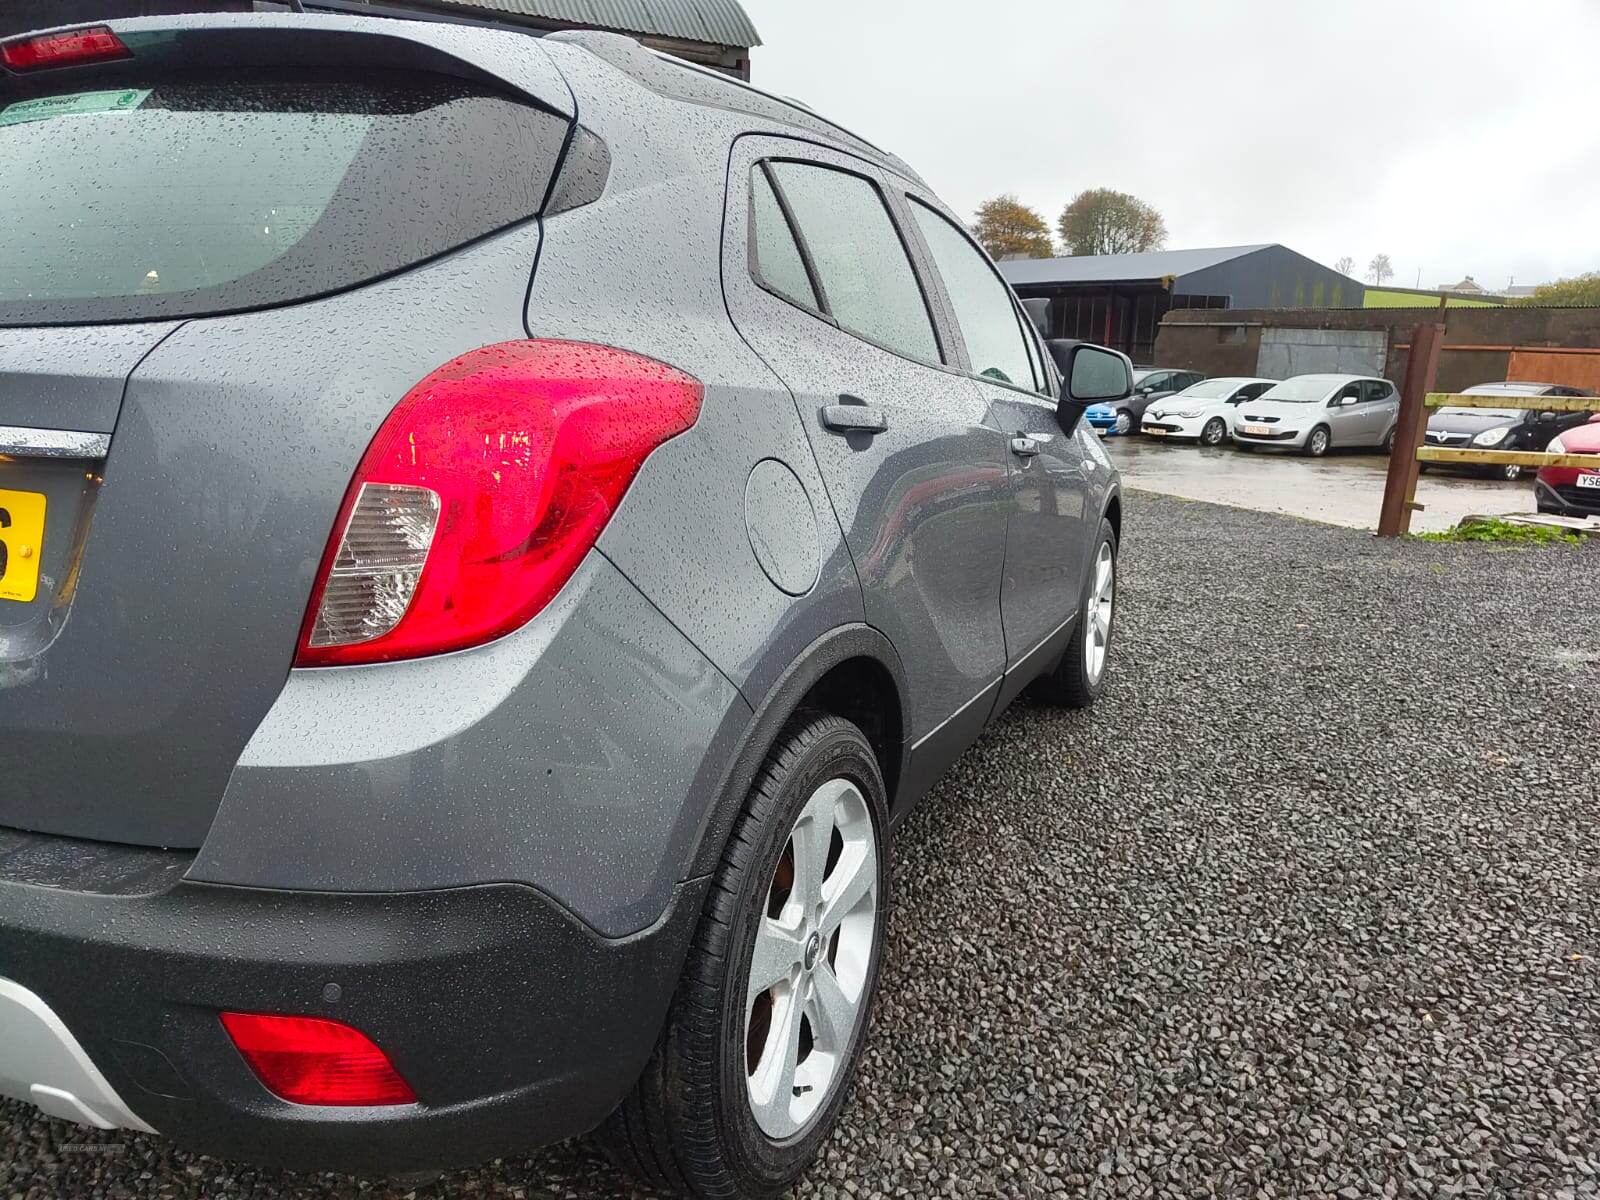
(275,40)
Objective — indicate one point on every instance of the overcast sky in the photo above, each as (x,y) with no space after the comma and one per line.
(1459,136)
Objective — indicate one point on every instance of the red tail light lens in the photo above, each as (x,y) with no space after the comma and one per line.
(73,48)
(307,1060)
(481,494)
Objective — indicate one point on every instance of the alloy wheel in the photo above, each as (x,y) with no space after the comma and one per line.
(1124,422)
(812,957)
(1097,620)
(1214,432)
(1318,445)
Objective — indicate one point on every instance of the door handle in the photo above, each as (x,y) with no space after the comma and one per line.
(1025,447)
(854,418)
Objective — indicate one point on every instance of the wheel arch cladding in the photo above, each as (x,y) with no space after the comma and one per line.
(1114,515)
(852,671)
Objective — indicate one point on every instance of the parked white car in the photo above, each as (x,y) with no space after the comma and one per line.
(1315,413)
(1203,413)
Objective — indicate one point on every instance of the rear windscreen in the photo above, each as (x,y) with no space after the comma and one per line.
(209,193)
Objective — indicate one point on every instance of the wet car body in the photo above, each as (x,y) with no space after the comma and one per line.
(277,767)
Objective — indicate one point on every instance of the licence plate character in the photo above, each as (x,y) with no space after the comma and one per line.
(21,544)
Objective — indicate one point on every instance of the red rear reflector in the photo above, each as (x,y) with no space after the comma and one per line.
(307,1060)
(482,493)
(74,48)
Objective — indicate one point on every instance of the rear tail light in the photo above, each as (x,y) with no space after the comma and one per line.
(482,493)
(307,1060)
(72,48)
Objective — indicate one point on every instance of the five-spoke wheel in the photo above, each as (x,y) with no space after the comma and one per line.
(808,971)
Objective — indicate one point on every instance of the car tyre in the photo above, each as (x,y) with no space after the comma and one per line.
(1318,441)
(703,1119)
(1124,422)
(1080,676)
(1388,442)
(1510,472)
(1215,430)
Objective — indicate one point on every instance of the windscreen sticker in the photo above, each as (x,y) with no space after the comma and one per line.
(72,105)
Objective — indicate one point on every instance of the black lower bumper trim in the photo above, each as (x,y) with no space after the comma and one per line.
(1567,500)
(515,1024)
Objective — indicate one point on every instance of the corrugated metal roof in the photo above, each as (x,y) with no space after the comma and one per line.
(1105,268)
(721,22)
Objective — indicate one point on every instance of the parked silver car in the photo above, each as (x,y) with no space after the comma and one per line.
(1316,413)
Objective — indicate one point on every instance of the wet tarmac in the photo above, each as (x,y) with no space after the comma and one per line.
(1345,488)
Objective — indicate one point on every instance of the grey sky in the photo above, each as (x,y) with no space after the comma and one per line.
(1460,136)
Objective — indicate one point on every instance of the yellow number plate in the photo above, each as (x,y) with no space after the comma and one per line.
(21,543)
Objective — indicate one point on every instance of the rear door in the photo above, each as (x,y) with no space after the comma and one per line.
(1047,535)
(212,293)
(824,290)
(1379,408)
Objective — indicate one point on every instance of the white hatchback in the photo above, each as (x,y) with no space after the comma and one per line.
(1204,412)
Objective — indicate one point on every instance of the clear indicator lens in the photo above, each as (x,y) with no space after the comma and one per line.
(379,563)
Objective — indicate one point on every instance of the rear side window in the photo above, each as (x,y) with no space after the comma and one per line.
(867,281)
(779,266)
(984,310)
(214,192)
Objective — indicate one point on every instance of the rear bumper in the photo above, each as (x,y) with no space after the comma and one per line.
(515,1024)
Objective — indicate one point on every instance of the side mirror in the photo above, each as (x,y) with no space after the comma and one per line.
(1548,418)
(1090,374)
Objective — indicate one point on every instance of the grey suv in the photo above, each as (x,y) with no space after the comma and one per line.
(498,533)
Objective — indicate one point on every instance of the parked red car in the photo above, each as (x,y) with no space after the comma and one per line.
(1572,491)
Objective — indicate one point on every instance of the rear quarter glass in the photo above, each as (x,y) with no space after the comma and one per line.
(210,192)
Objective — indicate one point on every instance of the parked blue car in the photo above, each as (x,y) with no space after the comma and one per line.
(1102,416)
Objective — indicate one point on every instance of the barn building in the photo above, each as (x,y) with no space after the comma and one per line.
(1118,300)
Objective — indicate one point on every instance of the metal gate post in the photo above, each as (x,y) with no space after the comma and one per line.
(1400,490)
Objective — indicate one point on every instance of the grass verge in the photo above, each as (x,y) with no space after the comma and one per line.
(1502,531)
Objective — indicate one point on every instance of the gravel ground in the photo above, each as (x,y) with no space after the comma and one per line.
(1310,905)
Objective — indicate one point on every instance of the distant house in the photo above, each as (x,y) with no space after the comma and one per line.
(1119,299)
(713,33)
(1468,286)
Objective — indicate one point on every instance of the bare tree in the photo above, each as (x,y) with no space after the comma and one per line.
(1345,266)
(1380,270)
(1101,221)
